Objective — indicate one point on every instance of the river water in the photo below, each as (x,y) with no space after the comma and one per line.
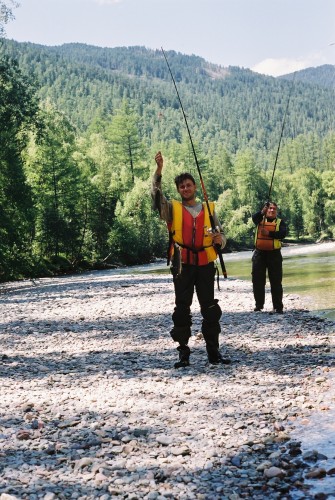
(309,271)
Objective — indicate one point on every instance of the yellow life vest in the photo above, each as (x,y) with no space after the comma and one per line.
(206,253)
(266,242)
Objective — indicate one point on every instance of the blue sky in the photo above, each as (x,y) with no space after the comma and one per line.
(268,36)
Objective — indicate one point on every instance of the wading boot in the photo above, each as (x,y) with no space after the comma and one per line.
(184,356)
(213,353)
(218,359)
(276,311)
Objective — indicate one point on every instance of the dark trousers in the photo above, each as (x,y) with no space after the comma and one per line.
(271,261)
(201,279)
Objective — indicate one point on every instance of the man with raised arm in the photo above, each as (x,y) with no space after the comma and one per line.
(192,249)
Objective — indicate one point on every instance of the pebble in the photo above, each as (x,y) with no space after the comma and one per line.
(91,406)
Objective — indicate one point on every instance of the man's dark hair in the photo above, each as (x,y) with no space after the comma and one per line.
(182,177)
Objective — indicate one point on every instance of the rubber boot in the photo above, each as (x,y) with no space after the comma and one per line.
(213,353)
(218,359)
(184,356)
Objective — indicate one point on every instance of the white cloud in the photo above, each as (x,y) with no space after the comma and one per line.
(283,66)
(277,67)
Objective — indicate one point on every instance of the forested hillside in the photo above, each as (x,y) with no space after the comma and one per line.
(232,106)
(80,127)
(322,76)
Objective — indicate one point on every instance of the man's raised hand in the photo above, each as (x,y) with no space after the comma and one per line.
(159,162)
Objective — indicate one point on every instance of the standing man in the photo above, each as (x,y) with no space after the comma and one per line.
(267,256)
(193,245)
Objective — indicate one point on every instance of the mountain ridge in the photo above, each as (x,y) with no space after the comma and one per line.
(230,104)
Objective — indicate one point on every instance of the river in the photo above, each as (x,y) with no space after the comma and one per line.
(309,271)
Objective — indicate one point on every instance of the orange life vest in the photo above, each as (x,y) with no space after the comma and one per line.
(266,242)
(190,233)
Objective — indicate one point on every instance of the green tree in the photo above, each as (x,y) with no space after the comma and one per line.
(95,161)
(295,216)
(126,143)
(18,112)
(328,183)
(312,197)
(249,182)
(219,175)
(137,235)
(235,220)
(57,186)
(6,13)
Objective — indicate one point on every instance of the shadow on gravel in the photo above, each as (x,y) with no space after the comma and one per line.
(81,453)
(256,343)
(253,350)
(10,293)
(63,454)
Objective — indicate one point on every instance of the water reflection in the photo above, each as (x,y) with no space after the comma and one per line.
(312,276)
(317,434)
(309,271)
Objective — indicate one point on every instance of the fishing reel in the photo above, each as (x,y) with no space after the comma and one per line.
(210,230)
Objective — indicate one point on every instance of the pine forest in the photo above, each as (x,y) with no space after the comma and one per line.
(80,126)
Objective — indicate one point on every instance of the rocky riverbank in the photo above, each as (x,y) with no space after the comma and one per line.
(91,406)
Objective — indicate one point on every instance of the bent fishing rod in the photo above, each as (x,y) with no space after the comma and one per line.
(277,154)
(211,218)
(280,138)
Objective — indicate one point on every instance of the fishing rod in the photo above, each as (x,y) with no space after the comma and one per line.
(280,138)
(277,154)
(211,218)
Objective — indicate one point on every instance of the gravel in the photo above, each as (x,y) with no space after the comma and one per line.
(91,406)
